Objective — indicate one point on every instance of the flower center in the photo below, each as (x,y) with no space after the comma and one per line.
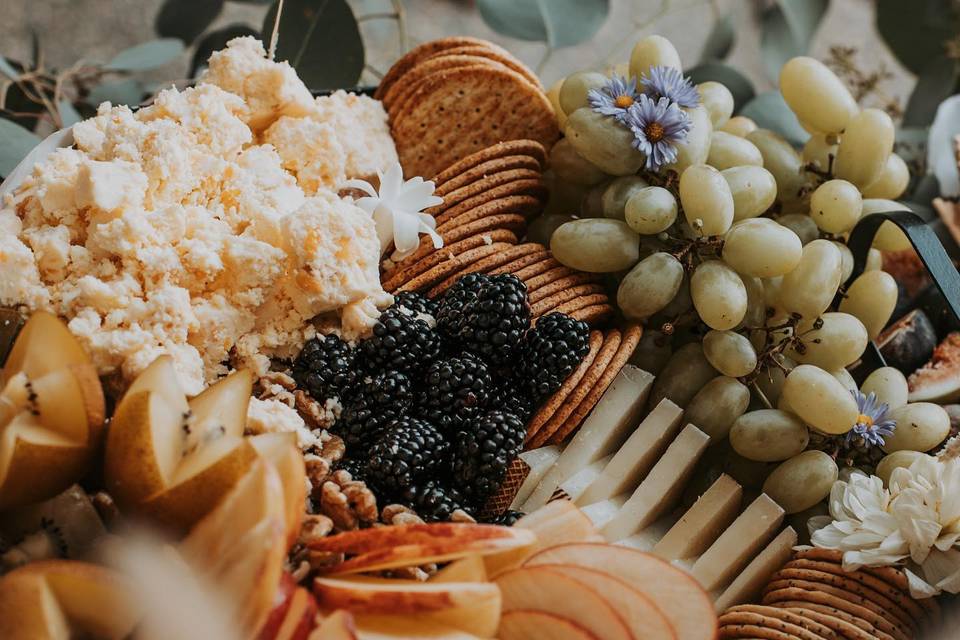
(623,102)
(654,132)
(865,420)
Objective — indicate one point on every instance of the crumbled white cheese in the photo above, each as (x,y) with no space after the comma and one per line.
(272,416)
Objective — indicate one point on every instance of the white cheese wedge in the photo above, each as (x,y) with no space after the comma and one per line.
(703,522)
(739,543)
(754,577)
(539,461)
(637,455)
(647,539)
(600,513)
(605,429)
(662,486)
(575,485)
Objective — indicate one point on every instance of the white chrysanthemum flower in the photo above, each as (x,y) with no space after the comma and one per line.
(915,522)
(397,210)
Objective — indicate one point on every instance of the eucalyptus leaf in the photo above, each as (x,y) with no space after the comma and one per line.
(787,29)
(934,85)
(127,91)
(916,30)
(559,23)
(148,55)
(69,115)
(15,143)
(769,111)
(941,158)
(321,40)
(720,40)
(186,19)
(7,69)
(215,41)
(738,84)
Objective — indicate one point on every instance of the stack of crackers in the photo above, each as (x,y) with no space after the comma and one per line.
(488,197)
(451,97)
(812,598)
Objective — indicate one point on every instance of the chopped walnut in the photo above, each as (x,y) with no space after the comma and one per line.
(276,385)
(315,414)
(332,449)
(106,508)
(408,573)
(322,560)
(399,514)
(314,528)
(347,502)
(318,471)
(462,516)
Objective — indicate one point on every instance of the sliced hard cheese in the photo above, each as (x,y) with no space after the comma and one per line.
(600,513)
(539,460)
(703,522)
(646,539)
(608,425)
(637,455)
(752,579)
(576,484)
(661,488)
(737,545)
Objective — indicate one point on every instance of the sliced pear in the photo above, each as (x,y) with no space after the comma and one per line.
(51,413)
(65,599)
(401,627)
(239,545)
(280,450)
(339,625)
(173,460)
(471,569)
(527,624)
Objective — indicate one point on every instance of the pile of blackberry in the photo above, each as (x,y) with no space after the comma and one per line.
(436,401)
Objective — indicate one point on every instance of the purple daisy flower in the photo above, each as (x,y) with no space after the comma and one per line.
(615,97)
(657,128)
(873,424)
(668,82)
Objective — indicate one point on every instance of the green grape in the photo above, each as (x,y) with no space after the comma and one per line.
(866,144)
(650,285)
(802,225)
(595,245)
(846,260)
(802,481)
(889,384)
(615,196)
(769,435)
(574,90)
(756,313)
(874,260)
(696,147)
(872,298)
(896,460)
(892,182)
(603,142)
(719,295)
(685,373)
(739,126)
(717,405)
(728,150)
(570,166)
(920,427)
(839,341)
(761,247)
(553,95)
(651,210)
(771,379)
(809,289)
(845,378)
(836,206)
(542,227)
(819,399)
(718,100)
(889,236)
(652,51)
(818,149)
(592,204)
(652,352)
(681,303)
(707,201)
(782,160)
(818,97)
(754,190)
(730,353)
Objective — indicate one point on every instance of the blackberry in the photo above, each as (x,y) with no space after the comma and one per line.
(410,449)
(389,389)
(511,396)
(508,518)
(415,302)
(400,342)
(455,389)
(552,350)
(353,466)
(360,425)
(325,367)
(432,501)
(488,315)
(484,450)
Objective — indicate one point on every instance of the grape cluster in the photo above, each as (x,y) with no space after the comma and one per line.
(735,248)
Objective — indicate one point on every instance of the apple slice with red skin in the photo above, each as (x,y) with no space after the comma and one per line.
(527,624)
(339,625)
(294,616)
(676,594)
